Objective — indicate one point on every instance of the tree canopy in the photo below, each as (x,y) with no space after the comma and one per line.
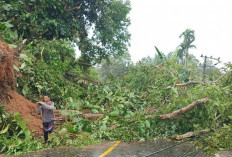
(98,27)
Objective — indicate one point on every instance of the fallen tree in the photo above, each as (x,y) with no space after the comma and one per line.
(182,110)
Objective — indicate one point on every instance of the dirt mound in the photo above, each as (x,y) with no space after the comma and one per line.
(27,109)
(7,77)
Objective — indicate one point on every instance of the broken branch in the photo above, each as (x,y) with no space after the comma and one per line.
(41,53)
(182,110)
(186,84)
(162,68)
(78,7)
(222,76)
(195,82)
(21,47)
(190,134)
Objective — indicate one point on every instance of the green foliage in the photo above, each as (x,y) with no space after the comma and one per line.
(16,145)
(15,136)
(11,123)
(189,38)
(62,138)
(159,53)
(7,35)
(74,133)
(46,68)
(220,139)
(74,21)
(125,98)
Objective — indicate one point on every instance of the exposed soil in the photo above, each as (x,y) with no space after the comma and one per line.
(27,110)
(7,77)
(16,102)
(5,48)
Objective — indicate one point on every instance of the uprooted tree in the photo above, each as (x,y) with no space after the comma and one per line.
(8,64)
(7,77)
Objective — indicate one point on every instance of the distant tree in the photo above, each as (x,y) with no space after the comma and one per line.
(189,38)
(117,66)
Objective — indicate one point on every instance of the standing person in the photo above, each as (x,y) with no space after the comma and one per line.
(48,117)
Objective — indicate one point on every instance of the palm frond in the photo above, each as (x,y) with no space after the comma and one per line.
(159,53)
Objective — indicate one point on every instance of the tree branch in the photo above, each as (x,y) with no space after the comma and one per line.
(188,83)
(195,82)
(41,53)
(182,110)
(162,68)
(222,76)
(190,134)
(78,7)
(20,47)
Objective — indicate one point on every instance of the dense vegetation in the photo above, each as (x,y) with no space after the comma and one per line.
(98,27)
(15,136)
(126,93)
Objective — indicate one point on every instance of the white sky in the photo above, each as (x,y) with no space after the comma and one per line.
(160,22)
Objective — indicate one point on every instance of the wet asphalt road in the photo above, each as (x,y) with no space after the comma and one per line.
(123,149)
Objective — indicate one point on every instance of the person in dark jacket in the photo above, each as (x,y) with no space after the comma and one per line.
(48,117)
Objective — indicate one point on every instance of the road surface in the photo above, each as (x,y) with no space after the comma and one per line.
(118,149)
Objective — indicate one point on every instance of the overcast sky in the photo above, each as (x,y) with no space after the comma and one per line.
(160,22)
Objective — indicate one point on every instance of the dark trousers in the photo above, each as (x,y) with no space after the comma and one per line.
(47,128)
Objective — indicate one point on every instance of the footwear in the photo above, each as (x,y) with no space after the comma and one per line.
(46,144)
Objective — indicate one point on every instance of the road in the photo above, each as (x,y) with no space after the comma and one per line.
(117,149)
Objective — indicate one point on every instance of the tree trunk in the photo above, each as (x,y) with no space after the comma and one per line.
(186,57)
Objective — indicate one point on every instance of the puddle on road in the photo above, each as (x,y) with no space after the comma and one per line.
(132,149)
